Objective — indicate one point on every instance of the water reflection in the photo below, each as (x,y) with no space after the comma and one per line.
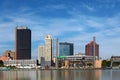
(16,75)
(93,75)
(60,75)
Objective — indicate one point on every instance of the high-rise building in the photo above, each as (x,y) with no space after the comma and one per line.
(66,49)
(41,52)
(89,49)
(49,50)
(23,43)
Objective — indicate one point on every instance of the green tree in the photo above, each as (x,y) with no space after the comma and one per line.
(106,63)
(11,67)
(90,64)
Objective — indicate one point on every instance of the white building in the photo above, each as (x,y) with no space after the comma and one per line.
(21,63)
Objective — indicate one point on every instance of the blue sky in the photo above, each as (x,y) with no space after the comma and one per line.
(75,21)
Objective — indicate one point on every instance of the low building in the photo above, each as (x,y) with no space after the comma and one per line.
(115,62)
(115,58)
(10,54)
(80,54)
(98,63)
(80,61)
(4,58)
(21,63)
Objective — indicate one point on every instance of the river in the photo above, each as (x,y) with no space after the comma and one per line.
(60,75)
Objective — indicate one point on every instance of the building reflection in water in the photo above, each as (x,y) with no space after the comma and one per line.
(17,75)
(44,75)
(51,75)
(60,75)
(54,75)
(68,75)
(1,75)
(93,75)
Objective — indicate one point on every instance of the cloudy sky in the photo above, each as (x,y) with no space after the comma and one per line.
(75,21)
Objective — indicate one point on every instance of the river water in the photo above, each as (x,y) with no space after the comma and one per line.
(60,75)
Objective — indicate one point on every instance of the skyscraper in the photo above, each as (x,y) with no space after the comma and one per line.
(90,47)
(23,43)
(49,50)
(66,49)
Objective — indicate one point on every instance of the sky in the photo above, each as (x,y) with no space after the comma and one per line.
(74,21)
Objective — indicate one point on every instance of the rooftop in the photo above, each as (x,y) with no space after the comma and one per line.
(3,58)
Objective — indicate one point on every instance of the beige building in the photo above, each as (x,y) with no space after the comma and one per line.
(10,54)
(98,63)
(49,50)
(41,52)
(45,53)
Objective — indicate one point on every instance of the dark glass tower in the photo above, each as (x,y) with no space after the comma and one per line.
(66,49)
(23,43)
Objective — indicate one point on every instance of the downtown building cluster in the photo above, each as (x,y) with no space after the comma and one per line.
(46,52)
(22,54)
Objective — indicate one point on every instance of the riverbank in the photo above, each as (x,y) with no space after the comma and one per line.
(5,69)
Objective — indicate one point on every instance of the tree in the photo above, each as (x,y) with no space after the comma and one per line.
(1,63)
(90,64)
(106,63)
(11,67)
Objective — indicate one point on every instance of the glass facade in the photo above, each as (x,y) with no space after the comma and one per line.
(65,49)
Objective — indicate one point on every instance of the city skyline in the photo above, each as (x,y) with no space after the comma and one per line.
(69,20)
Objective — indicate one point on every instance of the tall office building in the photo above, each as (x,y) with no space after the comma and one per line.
(23,43)
(41,52)
(89,48)
(66,49)
(49,50)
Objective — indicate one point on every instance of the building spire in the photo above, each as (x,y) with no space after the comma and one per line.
(94,49)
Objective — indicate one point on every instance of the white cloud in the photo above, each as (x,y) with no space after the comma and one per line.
(90,8)
(56,6)
(94,24)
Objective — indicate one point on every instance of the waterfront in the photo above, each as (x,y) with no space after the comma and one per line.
(60,75)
